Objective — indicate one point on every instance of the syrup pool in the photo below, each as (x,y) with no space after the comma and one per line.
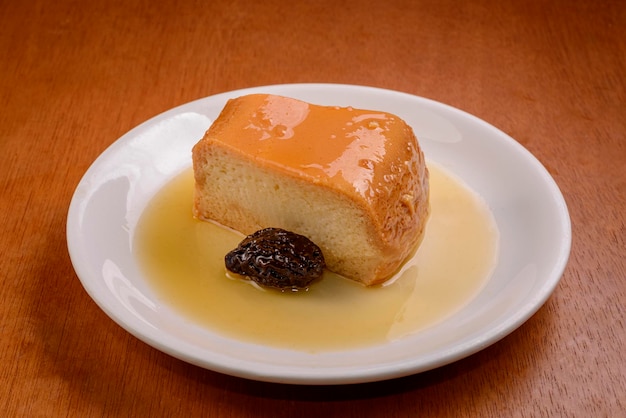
(183,261)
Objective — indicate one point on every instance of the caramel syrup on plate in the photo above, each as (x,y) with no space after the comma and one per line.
(183,260)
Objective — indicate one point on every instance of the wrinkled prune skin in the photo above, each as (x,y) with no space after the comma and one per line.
(277,258)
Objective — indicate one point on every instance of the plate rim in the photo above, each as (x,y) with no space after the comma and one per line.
(381,371)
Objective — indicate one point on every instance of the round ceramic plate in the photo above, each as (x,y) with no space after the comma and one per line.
(530,212)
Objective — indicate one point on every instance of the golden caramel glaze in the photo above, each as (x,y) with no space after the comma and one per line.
(372,157)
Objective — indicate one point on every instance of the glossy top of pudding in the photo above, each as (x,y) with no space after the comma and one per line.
(347,148)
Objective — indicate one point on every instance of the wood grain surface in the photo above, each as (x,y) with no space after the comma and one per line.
(76,75)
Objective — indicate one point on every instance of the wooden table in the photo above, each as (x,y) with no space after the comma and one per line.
(75,76)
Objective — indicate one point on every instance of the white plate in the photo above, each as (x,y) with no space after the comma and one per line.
(531,214)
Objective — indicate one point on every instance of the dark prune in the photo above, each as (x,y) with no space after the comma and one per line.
(277,258)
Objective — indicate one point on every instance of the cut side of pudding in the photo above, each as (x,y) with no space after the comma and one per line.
(353,181)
